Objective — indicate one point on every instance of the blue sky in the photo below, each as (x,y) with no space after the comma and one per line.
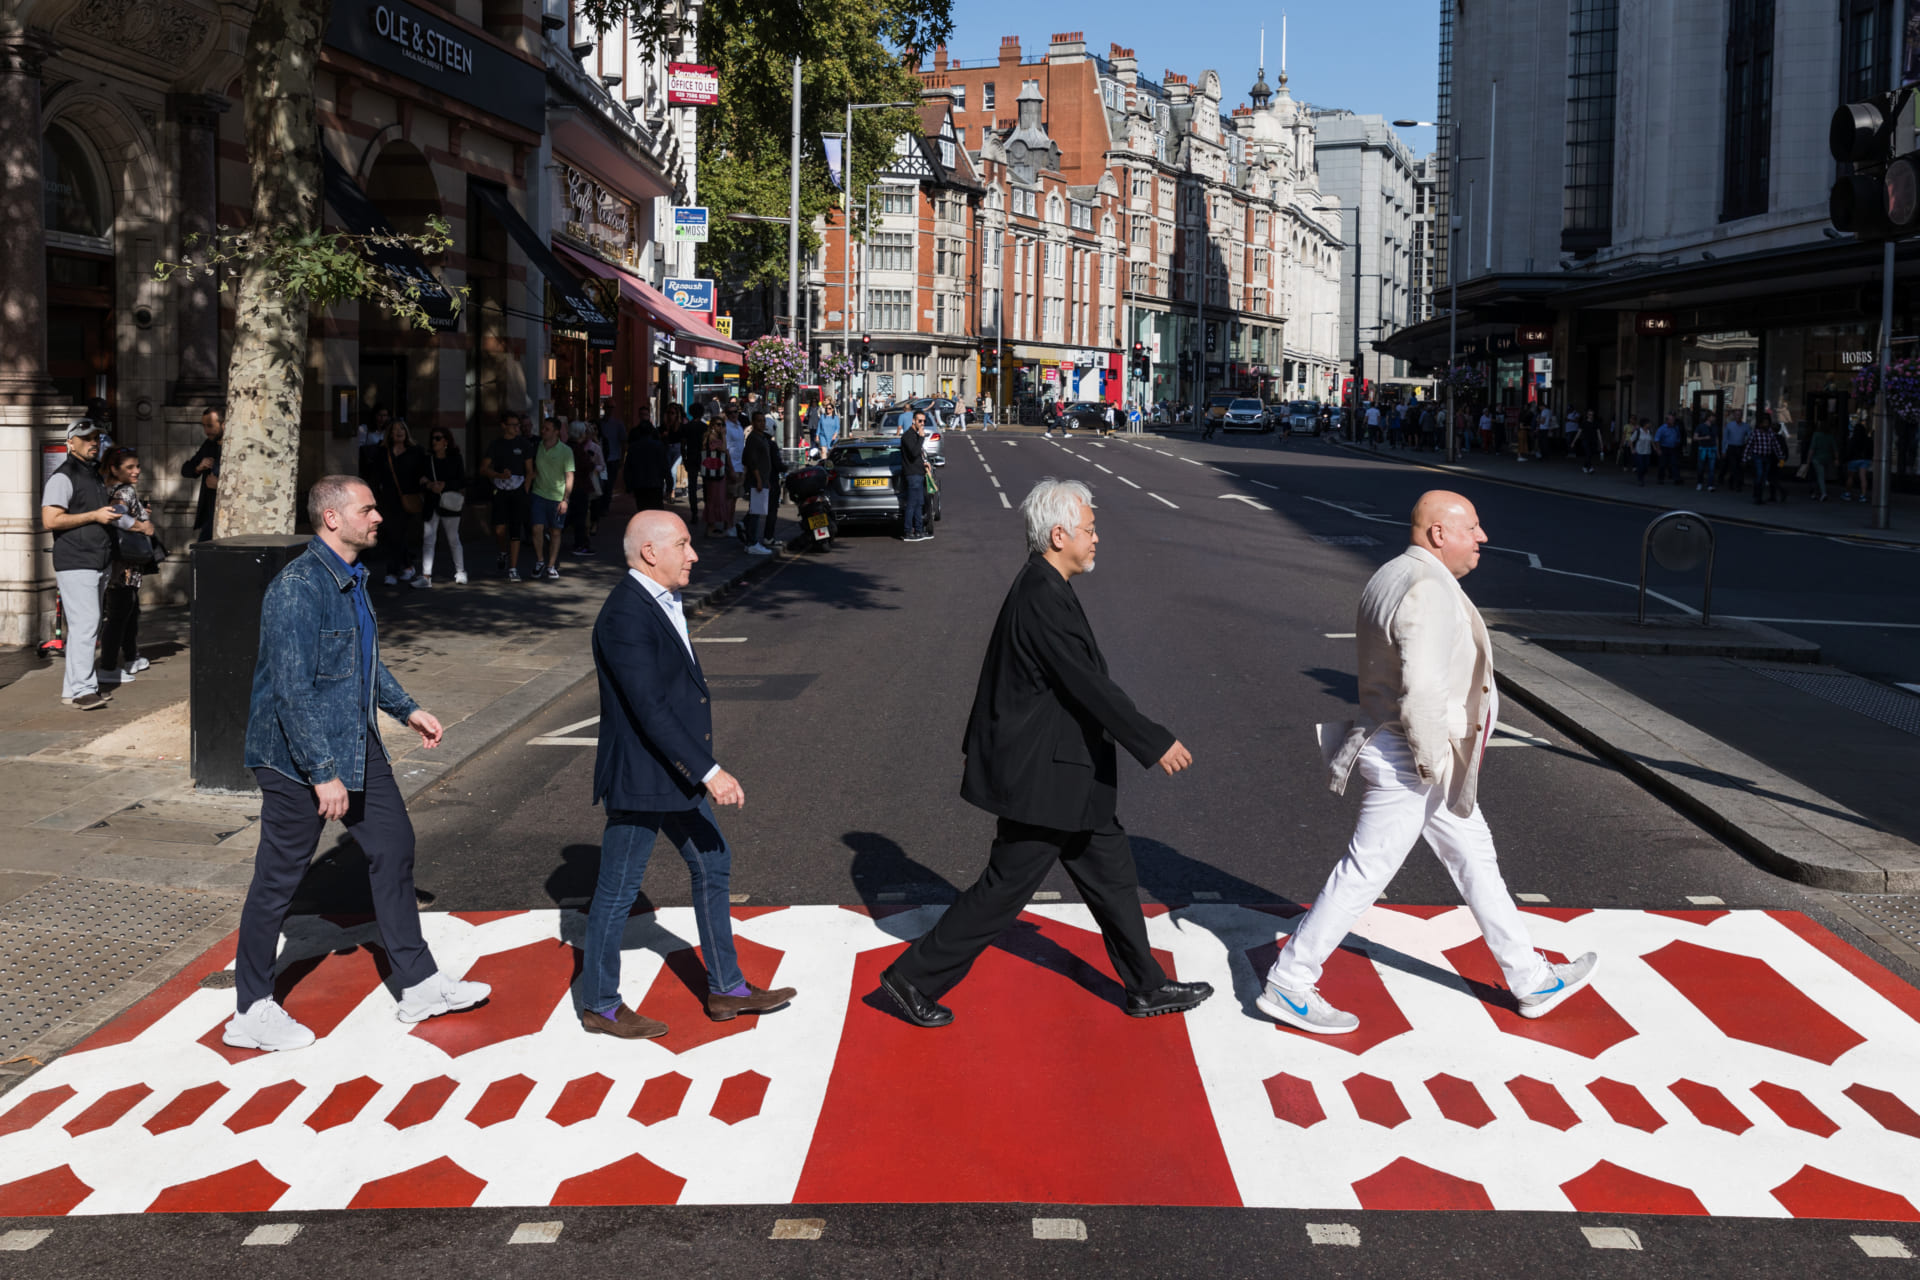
(1366,55)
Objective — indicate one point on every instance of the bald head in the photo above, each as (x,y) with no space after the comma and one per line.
(1446,524)
(658,545)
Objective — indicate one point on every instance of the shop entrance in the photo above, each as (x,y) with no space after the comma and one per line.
(383,385)
(1709,402)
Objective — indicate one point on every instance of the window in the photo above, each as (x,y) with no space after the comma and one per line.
(986,96)
(947,256)
(1083,217)
(913,364)
(1139,277)
(1106,326)
(898,199)
(1749,107)
(1259,262)
(1166,237)
(1054,318)
(1863,48)
(1592,47)
(1056,209)
(890,309)
(1056,262)
(75,193)
(1025,202)
(1106,271)
(891,251)
(959,97)
(1140,228)
(1141,184)
(940,313)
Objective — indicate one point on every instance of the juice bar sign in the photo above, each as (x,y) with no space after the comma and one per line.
(442,54)
(421,42)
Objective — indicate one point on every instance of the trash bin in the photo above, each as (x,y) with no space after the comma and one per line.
(230,577)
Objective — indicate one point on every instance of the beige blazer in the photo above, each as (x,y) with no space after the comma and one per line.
(1426,672)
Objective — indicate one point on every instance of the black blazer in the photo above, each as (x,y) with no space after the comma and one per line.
(1040,741)
(656,720)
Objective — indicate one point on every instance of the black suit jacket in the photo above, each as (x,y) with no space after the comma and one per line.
(1040,741)
(656,720)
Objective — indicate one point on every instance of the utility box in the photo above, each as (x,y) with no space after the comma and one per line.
(230,578)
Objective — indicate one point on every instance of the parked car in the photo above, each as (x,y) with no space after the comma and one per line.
(1244,414)
(1085,417)
(866,484)
(894,422)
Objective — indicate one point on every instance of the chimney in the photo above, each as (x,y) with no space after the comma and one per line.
(1068,46)
(1009,51)
(940,57)
(1126,69)
(1030,103)
(1179,92)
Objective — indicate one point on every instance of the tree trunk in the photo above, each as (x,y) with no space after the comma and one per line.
(259,467)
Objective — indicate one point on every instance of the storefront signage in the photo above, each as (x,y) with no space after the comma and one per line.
(1853,358)
(724,324)
(689,295)
(599,217)
(1655,324)
(691,85)
(429,50)
(1534,337)
(690,223)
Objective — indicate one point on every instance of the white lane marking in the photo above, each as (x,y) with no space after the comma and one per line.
(1098,467)
(1358,515)
(1533,561)
(737,898)
(1882,1247)
(1130,484)
(1334,1233)
(1832,622)
(1223,471)
(1011,444)
(1505,735)
(996,481)
(984,467)
(1059,1229)
(1190,462)
(537,1233)
(271,1233)
(1910,688)
(1096,444)
(1157,498)
(1163,453)
(1533,897)
(1342,635)
(21,1241)
(1241,497)
(1611,1238)
(1046,895)
(559,738)
(719,639)
(1264,485)
(1706,900)
(1004,502)
(797,1228)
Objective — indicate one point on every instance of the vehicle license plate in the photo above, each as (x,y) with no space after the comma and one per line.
(871,482)
(816,522)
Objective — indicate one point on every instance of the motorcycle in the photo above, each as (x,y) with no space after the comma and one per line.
(808,488)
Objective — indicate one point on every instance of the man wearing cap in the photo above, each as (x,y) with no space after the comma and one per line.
(76,510)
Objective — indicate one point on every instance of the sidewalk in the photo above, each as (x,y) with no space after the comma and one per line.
(1563,475)
(115,872)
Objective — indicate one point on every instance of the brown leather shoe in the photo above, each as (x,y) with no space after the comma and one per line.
(757,1000)
(626,1024)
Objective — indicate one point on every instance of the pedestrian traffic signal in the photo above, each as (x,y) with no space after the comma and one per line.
(1880,198)
(866,353)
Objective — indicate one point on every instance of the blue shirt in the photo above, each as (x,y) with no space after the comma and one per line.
(1665,436)
(362,610)
(826,429)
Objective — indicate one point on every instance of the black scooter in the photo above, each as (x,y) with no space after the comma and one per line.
(808,487)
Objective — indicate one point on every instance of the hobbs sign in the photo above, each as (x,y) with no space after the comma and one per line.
(421,42)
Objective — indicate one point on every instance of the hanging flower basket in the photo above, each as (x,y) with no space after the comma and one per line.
(836,368)
(1903,387)
(777,364)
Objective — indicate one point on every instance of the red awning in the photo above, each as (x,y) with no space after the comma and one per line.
(693,335)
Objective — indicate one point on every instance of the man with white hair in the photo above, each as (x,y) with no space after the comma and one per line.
(1040,757)
(1427,694)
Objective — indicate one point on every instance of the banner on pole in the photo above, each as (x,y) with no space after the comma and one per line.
(835,145)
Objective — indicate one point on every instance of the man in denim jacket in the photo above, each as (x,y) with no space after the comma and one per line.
(313,741)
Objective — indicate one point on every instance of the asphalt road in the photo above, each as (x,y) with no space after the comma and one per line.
(1227,576)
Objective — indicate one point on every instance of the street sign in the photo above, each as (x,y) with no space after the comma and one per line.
(724,324)
(691,85)
(690,223)
(689,295)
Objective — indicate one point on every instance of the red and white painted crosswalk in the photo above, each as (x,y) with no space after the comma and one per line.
(1723,1062)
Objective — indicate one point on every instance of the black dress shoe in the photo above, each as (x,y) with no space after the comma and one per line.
(1174,997)
(920,1011)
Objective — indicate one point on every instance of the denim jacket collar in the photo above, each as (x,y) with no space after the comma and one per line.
(345,575)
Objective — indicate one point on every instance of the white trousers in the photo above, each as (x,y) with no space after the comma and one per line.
(1397,810)
(450,522)
(81,594)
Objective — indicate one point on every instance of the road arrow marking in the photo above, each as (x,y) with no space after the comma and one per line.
(1157,498)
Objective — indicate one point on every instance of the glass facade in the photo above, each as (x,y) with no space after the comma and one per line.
(1443,149)
(1593,28)
(1749,108)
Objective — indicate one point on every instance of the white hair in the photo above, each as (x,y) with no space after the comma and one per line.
(1052,504)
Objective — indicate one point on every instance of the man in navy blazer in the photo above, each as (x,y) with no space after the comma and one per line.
(655,772)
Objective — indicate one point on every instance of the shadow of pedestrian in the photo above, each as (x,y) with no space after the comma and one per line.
(1169,876)
(885,877)
(1343,685)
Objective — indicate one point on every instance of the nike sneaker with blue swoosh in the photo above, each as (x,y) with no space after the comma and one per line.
(1562,981)
(1307,1010)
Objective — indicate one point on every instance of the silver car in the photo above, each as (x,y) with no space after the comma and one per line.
(866,481)
(894,422)
(1245,415)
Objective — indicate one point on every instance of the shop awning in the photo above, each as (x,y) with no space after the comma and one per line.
(403,264)
(577,309)
(693,336)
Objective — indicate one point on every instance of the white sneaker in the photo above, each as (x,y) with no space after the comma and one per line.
(123,676)
(553,573)
(439,994)
(138,664)
(406,574)
(759,549)
(1307,1010)
(392,581)
(422,581)
(460,579)
(1562,981)
(266,1026)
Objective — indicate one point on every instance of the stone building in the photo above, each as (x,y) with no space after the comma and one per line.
(1371,172)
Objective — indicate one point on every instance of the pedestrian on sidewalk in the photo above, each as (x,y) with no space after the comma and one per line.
(1486,430)
(913,480)
(508,467)
(1822,450)
(1040,748)
(1859,448)
(135,552)
(313,742)
(395,469)
(716,476)
(1763,454)
(1666,439)
(588,465)
(655,771)
(1587,441)
(203,468)
(826,429)
(737,472)
(76,508)
(1733,451)
(1428,704)
(1706,452)
(758,458)
(648,471)
(445,493)
(612,434)
(1643,448)
(553,491)
(602,477)
(692,440)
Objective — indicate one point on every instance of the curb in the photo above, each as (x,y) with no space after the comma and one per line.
(1869,536)
(1785,827)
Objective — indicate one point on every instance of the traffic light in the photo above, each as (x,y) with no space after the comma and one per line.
(866,352)
(1141,367)
(1880,198)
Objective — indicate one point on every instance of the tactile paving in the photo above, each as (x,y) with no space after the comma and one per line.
(1898,914)
(138,911)
(1856,693)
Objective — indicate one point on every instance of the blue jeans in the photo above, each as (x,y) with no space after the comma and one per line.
(624,851)
(915,519)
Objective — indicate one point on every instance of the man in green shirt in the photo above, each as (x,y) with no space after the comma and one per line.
(552,490)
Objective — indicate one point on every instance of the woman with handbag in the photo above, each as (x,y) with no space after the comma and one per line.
(394,469)
(136,551)
(446,488)
(716,473)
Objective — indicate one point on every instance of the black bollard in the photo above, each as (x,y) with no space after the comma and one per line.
(230,578)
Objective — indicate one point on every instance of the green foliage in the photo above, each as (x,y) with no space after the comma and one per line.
(320,266)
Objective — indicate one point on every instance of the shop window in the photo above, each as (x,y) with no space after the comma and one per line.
(1749,108)
(1592,47)
(76,190)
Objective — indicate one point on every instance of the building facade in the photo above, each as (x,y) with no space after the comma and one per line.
(1364,165)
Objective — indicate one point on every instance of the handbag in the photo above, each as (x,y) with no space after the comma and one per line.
(452,501)
(409,502)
